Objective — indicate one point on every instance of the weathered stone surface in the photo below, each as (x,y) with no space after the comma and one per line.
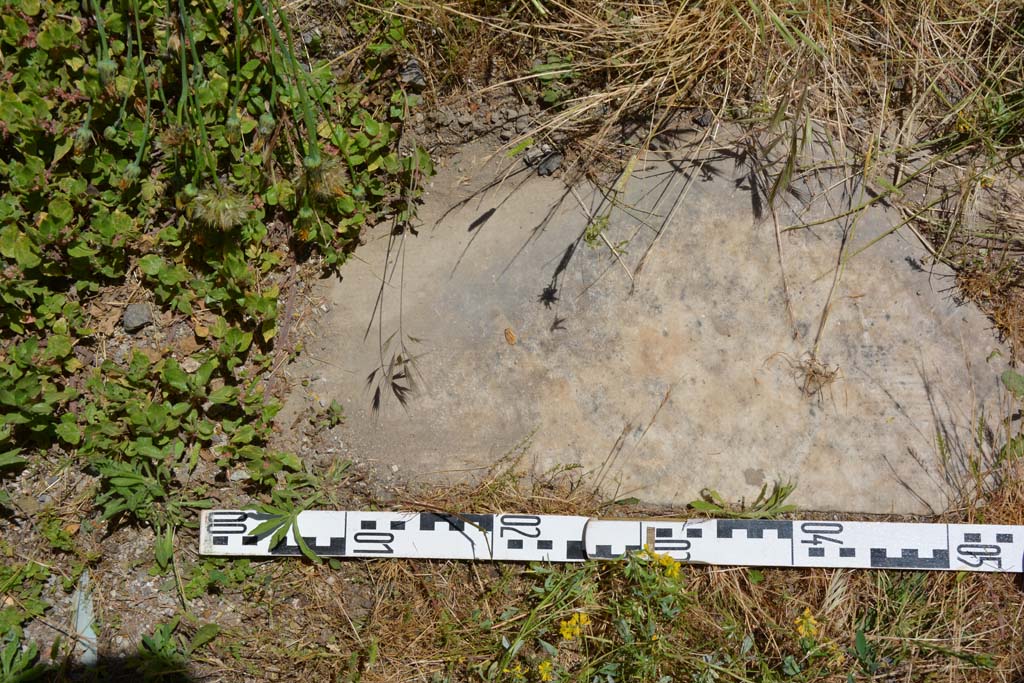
(675,365)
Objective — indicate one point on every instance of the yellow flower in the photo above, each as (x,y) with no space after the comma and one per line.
(806,624)
(836,654)
(544,669)
(666,561)
(573,626)
(517,670)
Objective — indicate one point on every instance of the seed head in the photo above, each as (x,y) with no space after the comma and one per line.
(329,180)
(107,69)
(222,208)
(83,138)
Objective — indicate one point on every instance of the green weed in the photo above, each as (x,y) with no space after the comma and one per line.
(767,505)
(163,139)
(18,662)
(22,586)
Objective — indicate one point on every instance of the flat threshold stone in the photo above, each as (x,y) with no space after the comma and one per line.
(659,353)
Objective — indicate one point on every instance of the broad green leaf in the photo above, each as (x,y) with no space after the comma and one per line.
(14,244)
(58,346)
(204,635)
(11,459)
(174,376)
(225,394)
(151,264)
(704,506)
(1014,382)
(290,461)
(69,432)
(64,147)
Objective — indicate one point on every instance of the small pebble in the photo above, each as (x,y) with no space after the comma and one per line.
(412,74)
(550,164)
(136,316)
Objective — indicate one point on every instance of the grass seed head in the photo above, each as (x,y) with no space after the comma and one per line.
(222,207)
(328,180)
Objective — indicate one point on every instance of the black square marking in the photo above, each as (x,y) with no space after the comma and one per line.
(694,533)
(847,552)
(663,533)
(972,538)
(397,526)
(1004,538)
(545,545)
(515,544)
(222,540)
(367,524)
(250,540)
(816,552)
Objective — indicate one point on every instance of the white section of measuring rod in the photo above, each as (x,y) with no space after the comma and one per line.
(559,538)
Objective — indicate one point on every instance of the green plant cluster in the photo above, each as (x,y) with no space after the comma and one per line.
(21,584)
(187,150)
(189,144)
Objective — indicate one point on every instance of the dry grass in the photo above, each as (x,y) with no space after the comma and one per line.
(922,102)
(450,621)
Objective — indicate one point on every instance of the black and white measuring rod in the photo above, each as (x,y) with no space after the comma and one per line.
(560,538)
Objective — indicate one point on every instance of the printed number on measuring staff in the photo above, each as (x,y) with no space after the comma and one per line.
(821,532)
(524,525)
(977,554)
(379,538)
(225,522)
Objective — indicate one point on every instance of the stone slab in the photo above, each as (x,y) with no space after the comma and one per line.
(676,365)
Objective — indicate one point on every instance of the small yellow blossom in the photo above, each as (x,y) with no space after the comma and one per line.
(835,653)
(517,670)
(654,637)
(544,669)
(806,624)
(666,561)
(573,627)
